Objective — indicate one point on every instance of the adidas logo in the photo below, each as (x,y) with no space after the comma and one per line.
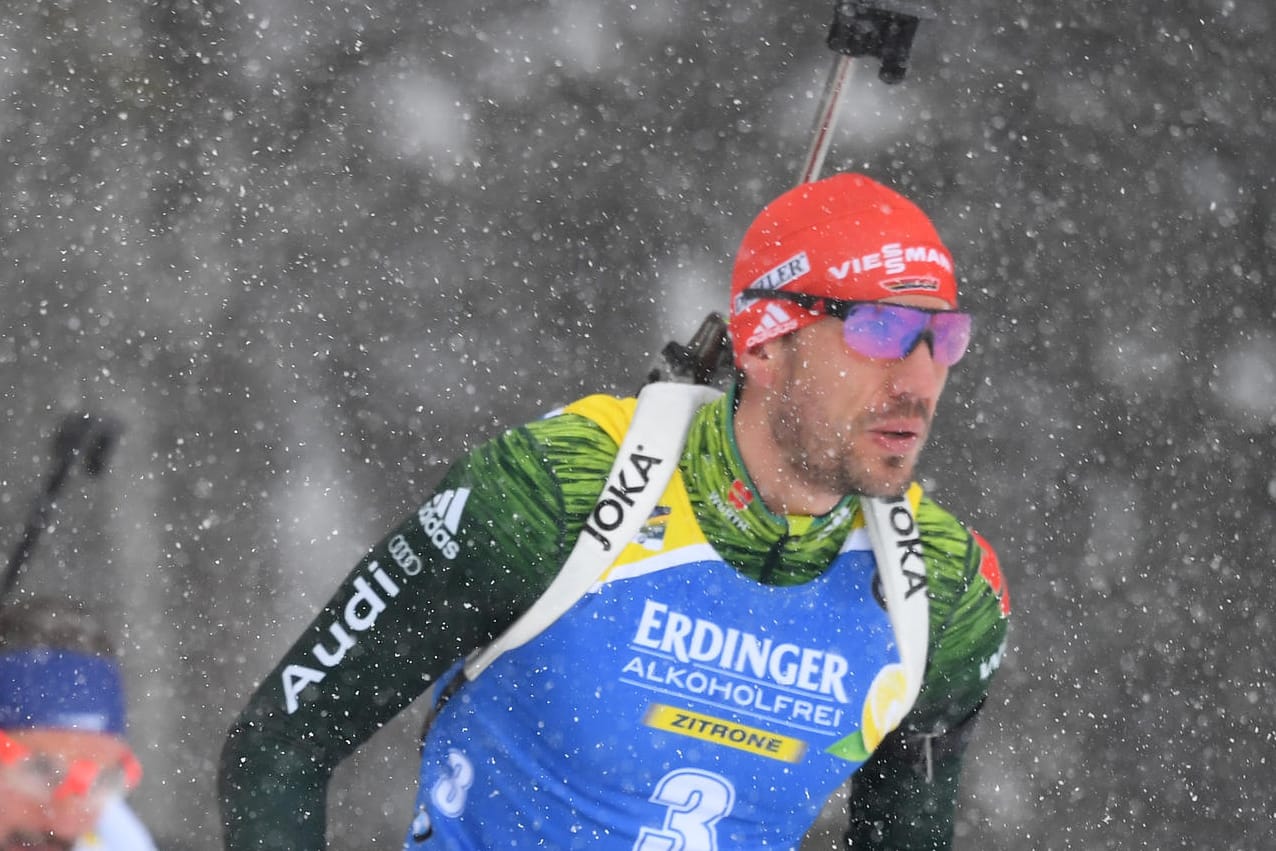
(440,518)
(774,322)
(774,317)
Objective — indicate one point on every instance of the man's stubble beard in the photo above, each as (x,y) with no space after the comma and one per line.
(827,462)
(841,473)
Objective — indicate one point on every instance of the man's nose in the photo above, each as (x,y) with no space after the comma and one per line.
(918,374)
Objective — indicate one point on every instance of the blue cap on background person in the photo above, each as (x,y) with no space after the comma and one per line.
(65,766)
(65,689)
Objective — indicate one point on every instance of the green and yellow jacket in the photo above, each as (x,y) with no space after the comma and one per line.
(454,574)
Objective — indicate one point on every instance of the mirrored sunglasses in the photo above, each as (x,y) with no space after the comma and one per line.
(878,329)
(52,780)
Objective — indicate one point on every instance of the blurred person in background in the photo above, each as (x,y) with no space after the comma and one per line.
(735,662)
(65,767)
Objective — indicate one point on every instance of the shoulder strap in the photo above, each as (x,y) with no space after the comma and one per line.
(897,548)
(645,462)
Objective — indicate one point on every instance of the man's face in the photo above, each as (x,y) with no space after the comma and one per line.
(32,820)
(845,423)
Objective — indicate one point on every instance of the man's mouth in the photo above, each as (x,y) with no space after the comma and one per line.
(899,436)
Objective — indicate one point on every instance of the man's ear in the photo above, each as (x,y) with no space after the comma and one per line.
(762,364)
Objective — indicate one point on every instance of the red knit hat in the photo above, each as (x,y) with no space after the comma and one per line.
(844,237)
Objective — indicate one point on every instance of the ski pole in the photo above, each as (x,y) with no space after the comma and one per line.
(83,438)
(883,29)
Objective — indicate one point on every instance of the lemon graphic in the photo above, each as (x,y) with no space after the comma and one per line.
(885,705)
(884,708)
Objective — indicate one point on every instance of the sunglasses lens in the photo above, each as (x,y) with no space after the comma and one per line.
(952,336)
(889,332)
(42,777)
(110,782)
(883,331)
(34,775)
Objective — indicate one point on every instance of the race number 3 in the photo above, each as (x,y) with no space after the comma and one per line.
(695,801)
(450,791)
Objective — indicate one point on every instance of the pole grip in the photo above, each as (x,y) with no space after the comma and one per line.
(883,29)
(701,359)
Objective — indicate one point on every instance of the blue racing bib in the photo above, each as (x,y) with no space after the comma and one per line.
(679,705)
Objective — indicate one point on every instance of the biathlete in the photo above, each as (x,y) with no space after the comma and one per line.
(732,661)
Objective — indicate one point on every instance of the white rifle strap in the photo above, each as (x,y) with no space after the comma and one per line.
(897,547)
(657,433)
(659,430)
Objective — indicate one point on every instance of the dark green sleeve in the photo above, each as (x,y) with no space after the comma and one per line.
(905,796)
(448,579)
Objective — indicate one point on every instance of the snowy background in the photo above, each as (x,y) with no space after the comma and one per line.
(306,252)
